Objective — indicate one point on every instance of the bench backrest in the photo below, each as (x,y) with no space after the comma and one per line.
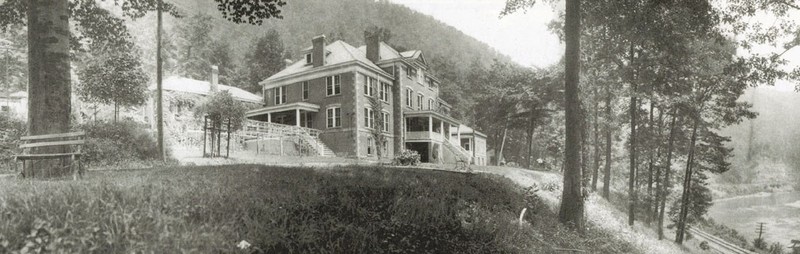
(59,139)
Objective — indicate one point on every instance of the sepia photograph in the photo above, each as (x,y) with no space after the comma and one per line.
(400,126)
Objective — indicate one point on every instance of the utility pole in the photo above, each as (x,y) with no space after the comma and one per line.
(159,95)
(760,229)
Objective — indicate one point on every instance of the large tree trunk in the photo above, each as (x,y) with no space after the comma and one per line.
(596,166)
(607,169)
(687,185)
(50,92)
(572,207)
(651,159)
(665,186)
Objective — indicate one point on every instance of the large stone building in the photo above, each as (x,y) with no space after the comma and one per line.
(328,92)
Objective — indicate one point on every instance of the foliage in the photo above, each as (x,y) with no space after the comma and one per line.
(284,210)
(12,129)
(760,243)
(220,107)
(377,133)
(114,78)
(775,248)
(407,158)
(117,144)
(265,58)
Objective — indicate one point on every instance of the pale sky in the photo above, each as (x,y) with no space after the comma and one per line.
(522,36)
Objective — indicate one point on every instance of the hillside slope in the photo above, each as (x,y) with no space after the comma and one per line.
(450,52)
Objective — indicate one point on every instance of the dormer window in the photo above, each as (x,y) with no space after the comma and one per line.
(309,58)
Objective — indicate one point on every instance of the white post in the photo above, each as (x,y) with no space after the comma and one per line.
(441,129)
(458,135)
(269,117)
(297,117)
(430,125)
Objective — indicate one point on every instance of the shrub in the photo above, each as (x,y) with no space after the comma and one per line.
(11,129)
(407,158)
(117,143)
(775,248)
(760,244)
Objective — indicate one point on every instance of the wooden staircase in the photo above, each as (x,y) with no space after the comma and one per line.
(306,137)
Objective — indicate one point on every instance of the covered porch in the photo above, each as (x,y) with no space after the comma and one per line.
(300,114)
(427,131)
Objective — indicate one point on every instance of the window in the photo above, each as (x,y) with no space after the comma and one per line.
(369,146)
(419,101)
(420,77)
(305,90)
(280,95)
(406,71)
(430,104)
(334,117)
(384,91)
(334,85)
(465,143)
(369,84)
(412,73)
(409,94)
(369,118)
(385,119)
(309,58)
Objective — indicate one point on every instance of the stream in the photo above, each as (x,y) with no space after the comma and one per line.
(779,211)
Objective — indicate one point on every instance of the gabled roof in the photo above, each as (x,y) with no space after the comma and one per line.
(415,54)
(338,52)
(187,85)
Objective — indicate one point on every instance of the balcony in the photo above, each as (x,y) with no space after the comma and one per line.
(422,126)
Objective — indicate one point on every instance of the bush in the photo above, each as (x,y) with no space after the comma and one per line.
(11,129)
(775,248)
(760,244)
(109,144)
(407,158)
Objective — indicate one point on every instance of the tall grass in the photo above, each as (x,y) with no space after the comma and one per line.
(283,210)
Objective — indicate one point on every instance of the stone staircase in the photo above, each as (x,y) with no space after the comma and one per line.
(305,137)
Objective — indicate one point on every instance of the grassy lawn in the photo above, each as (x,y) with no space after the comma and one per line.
(283,210)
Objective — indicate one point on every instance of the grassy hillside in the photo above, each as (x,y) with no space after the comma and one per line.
(284,210)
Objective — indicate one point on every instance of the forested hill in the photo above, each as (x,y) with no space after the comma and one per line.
(450,52)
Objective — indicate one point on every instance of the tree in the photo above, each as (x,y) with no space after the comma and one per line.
(223,111)
(49,45)
(265,58)
(377,132)
(572,198)
(114,78)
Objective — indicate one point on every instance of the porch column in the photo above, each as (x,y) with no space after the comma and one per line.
(441,129)
(269,117)
(297,117)
(430,125)
(458,135)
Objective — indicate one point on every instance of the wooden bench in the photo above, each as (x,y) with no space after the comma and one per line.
(73,142)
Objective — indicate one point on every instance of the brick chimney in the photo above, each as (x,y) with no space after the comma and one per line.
(373,40)
(318,52)
(214,79)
